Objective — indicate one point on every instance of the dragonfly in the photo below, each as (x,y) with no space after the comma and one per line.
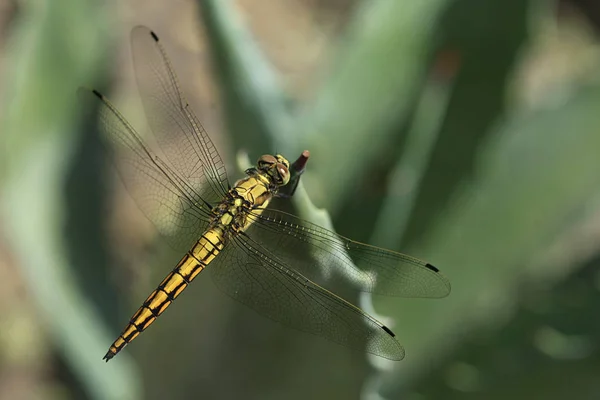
(262,257)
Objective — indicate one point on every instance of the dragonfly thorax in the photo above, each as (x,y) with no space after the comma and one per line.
(251,194)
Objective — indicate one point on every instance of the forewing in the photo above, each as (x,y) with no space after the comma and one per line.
(176,209)
(180,134)
(246,272)
(383,271)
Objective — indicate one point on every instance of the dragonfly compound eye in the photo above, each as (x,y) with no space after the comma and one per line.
(283,174)
(265,161)
(281,159)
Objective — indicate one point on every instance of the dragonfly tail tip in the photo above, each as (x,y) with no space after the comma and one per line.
(108,356)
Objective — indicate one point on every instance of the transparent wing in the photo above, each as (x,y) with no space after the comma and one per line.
(180,134)
(246,272)
(385,272)
(176,209)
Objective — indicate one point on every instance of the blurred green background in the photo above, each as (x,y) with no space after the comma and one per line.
(463,132)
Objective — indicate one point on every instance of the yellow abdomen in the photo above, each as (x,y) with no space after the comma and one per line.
(252,190)
(192,263)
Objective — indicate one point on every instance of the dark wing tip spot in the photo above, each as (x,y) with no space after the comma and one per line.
(154,36)
(385,328)
(431,267)
(97,93)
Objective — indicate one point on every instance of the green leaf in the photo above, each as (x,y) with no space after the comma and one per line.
(533,175)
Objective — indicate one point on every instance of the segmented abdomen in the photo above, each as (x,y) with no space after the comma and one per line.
(192,263)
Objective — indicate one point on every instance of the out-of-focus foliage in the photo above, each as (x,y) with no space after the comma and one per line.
(463,132)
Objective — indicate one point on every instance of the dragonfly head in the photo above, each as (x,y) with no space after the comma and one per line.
(277,168)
